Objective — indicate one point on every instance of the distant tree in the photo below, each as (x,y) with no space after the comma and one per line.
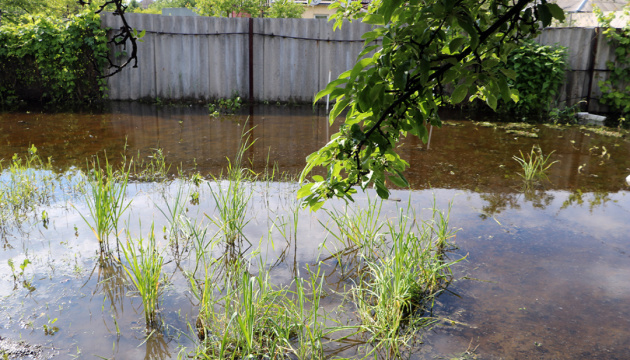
(12,11)
(285,9)
(229,8)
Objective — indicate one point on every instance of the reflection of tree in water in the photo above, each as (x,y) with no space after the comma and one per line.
(594,199)
(499,202)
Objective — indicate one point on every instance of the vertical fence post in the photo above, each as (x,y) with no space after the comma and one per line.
(251,60)
(591,68)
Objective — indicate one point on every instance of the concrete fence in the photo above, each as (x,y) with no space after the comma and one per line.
(203,58)
(207,58)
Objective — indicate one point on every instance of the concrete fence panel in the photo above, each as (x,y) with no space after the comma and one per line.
(204,58)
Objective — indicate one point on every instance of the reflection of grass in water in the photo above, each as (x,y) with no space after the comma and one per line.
(144,267)
(535,165)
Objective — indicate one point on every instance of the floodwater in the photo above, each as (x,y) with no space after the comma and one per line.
(546,274)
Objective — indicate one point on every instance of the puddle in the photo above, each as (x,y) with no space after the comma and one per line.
(547,267)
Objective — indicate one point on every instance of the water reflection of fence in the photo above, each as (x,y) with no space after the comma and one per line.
(207,58)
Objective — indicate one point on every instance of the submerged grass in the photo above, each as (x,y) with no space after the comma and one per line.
(106,200)
(232,195)
(244,316)
(25,183)
(535,165)
(402,273)
(144,267)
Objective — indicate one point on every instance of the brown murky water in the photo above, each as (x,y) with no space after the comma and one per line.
(552,265)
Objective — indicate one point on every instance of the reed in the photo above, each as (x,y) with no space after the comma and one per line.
(535,165)
(144,267)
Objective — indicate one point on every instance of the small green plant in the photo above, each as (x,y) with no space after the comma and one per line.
(232,195)
(243,316)
(144,267)
(27,183)
(106,199)
(225,106)
(536,164)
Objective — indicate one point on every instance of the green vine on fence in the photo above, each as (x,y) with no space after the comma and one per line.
(616,88)
(52,61)
(540,71)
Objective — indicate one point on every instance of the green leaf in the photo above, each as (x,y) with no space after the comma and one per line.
(556,11)
(509,73)
(374,19)
(491,100)
(305,191)
(459,94)
(504,88)
(329,88)
(360,65)
(455,44)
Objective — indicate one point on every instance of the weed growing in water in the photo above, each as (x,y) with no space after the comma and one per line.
(144,267)
(26,183)
(244,316)
(106,200)
(232,195)
(402,270)
(536,164)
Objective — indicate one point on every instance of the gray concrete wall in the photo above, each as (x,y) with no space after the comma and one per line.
(204,58)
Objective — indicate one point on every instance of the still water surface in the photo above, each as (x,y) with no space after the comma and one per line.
(548,269)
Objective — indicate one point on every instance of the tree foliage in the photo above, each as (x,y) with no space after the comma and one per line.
(616,88)
(51,60)
(13,11)
(229,8)
(417,49)
(285,9)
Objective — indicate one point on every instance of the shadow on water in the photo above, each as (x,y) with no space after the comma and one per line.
(549,263)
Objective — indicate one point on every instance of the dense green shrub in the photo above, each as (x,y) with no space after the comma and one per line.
(540,73)
(616,88)
(55,62)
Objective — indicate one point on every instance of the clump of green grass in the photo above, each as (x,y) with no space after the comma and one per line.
(536,164)
(144,267)
(106,200)
(403,269)
(232,195)
(154,168)
(25,183)
(243,316)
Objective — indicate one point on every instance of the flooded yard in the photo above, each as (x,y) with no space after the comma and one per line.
(543,271)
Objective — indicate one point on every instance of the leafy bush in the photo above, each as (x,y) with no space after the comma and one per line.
(539,75)
(56,62)
(616,89)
